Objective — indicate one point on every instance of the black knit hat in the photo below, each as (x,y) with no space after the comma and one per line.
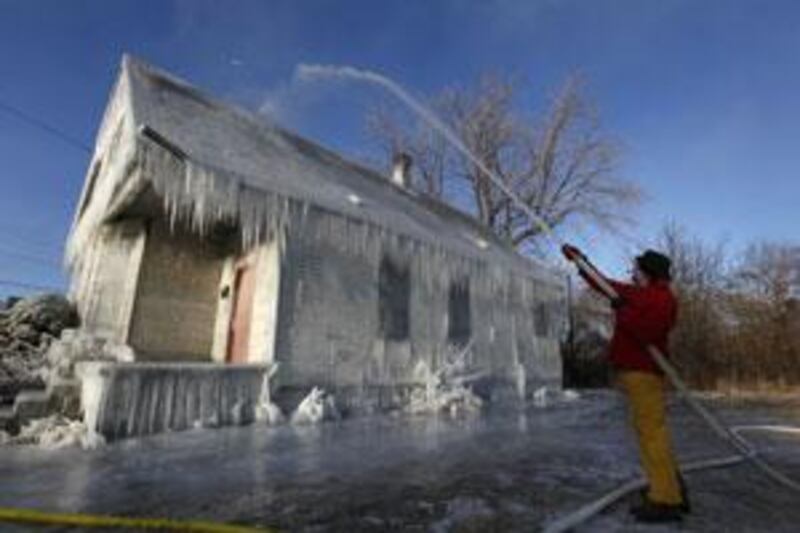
(656,265)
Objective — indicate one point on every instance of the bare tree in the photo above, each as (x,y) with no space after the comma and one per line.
(738,322)
(696,265)
(699,273)
(562,165)
(771,271)
(767,285)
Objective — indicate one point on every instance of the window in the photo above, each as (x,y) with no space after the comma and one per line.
(459,330)
(394,291)
(541,319)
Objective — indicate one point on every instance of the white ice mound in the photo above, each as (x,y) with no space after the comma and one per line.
(56,432)
(446,389)
(266,411)
(316,407)
(453,400)
(269,413)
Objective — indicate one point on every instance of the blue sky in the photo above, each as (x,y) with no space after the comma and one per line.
(704,95)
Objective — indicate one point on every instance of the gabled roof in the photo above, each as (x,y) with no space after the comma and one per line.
(233,144)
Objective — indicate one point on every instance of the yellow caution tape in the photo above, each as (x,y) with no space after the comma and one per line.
(32,516)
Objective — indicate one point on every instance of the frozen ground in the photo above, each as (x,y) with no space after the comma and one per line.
(507,470)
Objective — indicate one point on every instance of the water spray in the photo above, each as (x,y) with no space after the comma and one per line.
(743,449)
(312,72)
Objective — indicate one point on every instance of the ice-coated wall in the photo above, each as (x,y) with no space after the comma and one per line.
(111,274)
(328,321)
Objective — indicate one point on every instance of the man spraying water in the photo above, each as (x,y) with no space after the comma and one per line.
(645,312)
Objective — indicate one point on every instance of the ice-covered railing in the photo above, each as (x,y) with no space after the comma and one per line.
(126,400)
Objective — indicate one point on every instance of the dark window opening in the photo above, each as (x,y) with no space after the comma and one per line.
(541,319)
(459,328)
(394,292)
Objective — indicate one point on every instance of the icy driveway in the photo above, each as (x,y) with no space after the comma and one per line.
(504,471)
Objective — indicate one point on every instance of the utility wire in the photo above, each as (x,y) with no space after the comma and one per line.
(44,126)
(24,285)
(21,240)
(29,257)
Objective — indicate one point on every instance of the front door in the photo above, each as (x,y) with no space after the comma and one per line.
(239,332)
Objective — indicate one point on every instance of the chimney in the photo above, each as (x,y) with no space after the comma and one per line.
(401,165)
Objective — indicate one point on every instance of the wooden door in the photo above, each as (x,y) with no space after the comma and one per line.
(239,332)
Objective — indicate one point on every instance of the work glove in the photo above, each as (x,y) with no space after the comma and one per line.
(572,252)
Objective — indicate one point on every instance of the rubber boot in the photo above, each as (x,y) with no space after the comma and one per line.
(656,513)
(685,506)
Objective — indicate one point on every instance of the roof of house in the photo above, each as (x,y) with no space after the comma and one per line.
(235,144)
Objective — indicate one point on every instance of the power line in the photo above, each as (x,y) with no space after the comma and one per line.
(44,126)
(20,239)
(29,257)
(24,285)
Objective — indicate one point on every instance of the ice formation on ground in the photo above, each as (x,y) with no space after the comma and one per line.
(55,432)
(315,408)
(546,396)
(269,413)
(446,389)
(266,411)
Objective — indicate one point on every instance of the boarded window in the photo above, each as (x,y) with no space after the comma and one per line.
(459,328)
(394,291)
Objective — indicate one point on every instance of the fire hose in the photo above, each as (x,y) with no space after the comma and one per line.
(82,520)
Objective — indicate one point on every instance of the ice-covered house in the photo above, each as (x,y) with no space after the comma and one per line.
(205,234)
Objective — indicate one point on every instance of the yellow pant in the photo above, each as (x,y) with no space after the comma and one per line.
(645,393)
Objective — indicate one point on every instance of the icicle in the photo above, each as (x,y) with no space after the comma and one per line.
(201,196)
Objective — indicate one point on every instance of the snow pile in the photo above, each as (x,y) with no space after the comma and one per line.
(446,388)
(77,346)
(27,329)
(316,407)
(56,432)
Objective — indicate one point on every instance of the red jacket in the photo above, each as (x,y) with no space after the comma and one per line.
(646,315)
